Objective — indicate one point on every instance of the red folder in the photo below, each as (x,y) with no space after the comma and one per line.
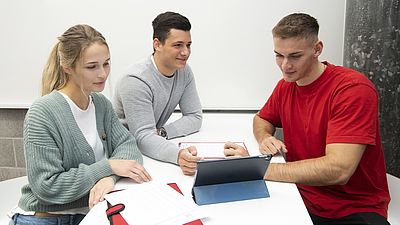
(115,218)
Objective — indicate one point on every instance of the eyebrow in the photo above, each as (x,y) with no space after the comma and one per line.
(291,54)
(94,62)
(180,42)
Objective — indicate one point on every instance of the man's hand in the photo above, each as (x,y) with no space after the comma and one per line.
(101,188)
(234,150)
(187,159)
(131,169)
(271,145)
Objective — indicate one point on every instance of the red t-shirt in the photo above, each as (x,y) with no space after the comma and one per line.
(341,106)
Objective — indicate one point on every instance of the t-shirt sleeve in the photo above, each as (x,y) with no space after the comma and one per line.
(353,115)
(270,111)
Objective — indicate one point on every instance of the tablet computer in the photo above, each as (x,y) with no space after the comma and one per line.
(230,179)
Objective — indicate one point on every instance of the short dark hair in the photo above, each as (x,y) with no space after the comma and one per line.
(297,25)
(164,22)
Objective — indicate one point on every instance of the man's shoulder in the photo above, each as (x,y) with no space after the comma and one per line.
(137,74)
(139,69)
(348,76)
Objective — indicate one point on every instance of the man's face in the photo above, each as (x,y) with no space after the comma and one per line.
(296,58)
(174,53)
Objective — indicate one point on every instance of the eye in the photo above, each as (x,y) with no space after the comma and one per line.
(295,56)
(91,67)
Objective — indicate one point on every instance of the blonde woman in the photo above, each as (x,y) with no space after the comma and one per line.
(75,147)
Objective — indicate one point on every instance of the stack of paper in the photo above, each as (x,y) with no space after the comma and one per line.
(155,203)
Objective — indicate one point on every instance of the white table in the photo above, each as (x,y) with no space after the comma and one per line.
(10,192)
(284,206)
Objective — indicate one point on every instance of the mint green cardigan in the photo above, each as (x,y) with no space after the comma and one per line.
(60,164)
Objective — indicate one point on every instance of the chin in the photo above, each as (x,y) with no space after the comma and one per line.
(289,79)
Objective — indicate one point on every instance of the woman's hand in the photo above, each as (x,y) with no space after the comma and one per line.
(99,190)
(131,169)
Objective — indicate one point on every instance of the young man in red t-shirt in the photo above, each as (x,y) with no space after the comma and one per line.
(329,116)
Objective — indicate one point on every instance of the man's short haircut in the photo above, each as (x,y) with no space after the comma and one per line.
(164,22)
(297,25)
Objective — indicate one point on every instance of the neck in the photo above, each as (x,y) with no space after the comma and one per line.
(164,70)
(315,72)
(78,96)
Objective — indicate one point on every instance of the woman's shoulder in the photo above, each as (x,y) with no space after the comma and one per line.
(47,102)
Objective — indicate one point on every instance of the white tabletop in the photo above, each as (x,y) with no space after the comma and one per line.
(284,206)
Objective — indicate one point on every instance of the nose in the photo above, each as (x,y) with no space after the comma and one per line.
(185,51)
(286,64)
(103,72)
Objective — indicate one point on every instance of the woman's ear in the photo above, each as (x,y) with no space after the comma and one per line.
(67,70)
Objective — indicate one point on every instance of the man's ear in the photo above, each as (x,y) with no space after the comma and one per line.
(318,48)
(156,44)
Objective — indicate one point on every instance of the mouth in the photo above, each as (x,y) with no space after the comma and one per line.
(182,60)
(289,73)
(99,83)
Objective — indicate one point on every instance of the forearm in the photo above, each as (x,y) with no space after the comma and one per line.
(69,185)
(334,168)
(157,147)
(315,172)
(187,124)
(262,128)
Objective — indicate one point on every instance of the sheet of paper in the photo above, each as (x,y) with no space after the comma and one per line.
(209,150)
(155,203)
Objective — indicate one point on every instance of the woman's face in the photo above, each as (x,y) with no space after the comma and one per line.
(92,70)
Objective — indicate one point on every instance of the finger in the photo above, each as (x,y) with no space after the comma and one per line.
(190,158)
(142,173)
(280,146)
(91,196)
(229,152)
(264,149)
(272,148)
(188,171)
(229,144)
(189,164)
(192,150)
(136,178)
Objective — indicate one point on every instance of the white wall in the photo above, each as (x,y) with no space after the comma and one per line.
(232,54)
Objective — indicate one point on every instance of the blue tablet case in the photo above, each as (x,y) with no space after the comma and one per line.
(231,179)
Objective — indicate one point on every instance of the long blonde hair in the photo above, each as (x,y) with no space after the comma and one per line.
(66,53)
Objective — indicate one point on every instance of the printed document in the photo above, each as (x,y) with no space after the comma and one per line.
(155,203)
